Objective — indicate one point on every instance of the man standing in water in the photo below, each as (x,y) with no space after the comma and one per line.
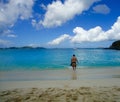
(74,62)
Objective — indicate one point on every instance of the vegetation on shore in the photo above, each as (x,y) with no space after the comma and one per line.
(115,45)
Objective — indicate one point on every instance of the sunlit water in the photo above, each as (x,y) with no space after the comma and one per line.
(37,59)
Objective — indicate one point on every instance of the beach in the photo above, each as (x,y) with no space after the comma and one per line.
(59,51)
(82,85)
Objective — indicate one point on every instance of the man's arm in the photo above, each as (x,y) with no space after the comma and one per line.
(77,60)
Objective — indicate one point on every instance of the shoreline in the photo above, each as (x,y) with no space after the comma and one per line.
(58,68)
(60,74)
(10,85)
(83,85)
(64,75)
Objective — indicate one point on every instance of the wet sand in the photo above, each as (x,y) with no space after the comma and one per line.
(83,85)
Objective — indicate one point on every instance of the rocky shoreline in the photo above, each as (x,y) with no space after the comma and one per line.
(115,45)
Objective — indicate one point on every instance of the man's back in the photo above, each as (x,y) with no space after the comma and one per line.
(74,59)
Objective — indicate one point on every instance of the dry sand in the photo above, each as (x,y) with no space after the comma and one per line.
(89,85)
(82,94)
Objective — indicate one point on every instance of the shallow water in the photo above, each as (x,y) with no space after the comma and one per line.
(40,59)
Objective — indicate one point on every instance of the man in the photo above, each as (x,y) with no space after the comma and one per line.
(74,62)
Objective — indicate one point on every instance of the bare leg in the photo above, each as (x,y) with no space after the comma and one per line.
(75,68)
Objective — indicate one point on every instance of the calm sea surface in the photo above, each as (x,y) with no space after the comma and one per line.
(37,59)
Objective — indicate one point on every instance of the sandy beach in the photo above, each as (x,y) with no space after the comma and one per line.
(84,85)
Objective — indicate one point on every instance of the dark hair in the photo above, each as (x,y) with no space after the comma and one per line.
(73,54)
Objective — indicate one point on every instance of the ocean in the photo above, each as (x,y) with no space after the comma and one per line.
(42,59)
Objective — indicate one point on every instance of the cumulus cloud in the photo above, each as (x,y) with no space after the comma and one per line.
(13,10)
(103,9)
(59,39)
(92,35)
(58,13)
(95,34)
(114,32)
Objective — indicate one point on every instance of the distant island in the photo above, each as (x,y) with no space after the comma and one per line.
(24,47)
(115,45)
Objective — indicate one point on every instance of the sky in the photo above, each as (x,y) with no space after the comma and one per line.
(59,23)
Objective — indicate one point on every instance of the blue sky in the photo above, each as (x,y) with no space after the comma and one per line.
(59,23)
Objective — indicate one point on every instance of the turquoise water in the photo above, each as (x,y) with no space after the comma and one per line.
(35,59)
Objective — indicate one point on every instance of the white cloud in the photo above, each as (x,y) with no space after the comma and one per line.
(103,9)
(58,12)
(95,34)
(8,33)
(12,35)
(43,6)
(59,39)
(12,11)
(4,42)
(114,32)
(34,45)
(34,22)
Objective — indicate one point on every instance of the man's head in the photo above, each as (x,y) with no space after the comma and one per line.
(73,54)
